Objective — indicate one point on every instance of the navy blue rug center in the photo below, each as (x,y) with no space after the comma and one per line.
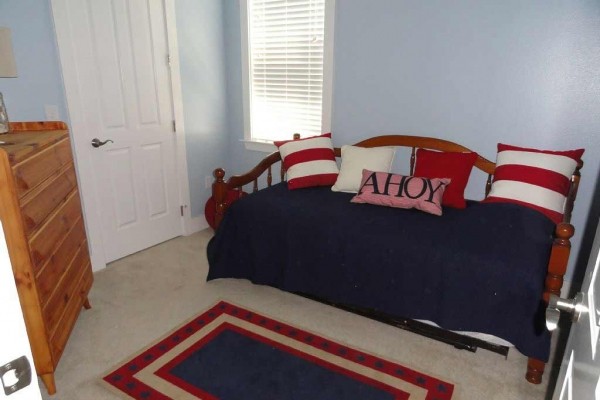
(263,371)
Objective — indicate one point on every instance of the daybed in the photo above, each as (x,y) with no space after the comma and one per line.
(487,268)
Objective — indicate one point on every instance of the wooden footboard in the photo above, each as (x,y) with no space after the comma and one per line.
(561,247)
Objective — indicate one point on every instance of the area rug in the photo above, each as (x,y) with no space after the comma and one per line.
(230,353)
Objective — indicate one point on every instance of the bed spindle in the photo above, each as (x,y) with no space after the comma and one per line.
(412,160)
(282,173)
(488,185)
(255,186)
(269,177)
(573,192)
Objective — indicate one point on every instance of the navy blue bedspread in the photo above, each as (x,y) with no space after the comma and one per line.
(480,269)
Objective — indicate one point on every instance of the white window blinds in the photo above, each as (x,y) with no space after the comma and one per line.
(286,39)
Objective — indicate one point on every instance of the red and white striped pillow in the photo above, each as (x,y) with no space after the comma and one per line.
(309,162)
(539,179)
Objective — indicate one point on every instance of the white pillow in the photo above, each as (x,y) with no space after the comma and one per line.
(355,159)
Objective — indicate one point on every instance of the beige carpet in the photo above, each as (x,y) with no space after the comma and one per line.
(138,299)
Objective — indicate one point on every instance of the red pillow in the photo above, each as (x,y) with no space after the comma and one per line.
(309,162)
(441,164)
(393,190)
(538,179)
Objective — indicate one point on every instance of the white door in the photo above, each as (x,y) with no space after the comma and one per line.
(114,57)
(579,377)
(14,343)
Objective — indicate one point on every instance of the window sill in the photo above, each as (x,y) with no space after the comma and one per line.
(259,145)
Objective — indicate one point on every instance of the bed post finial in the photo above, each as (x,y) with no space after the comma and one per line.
(296,136)
(219,173)
(219,194)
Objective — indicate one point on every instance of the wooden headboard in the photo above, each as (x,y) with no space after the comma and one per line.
(421,142)
(412,142)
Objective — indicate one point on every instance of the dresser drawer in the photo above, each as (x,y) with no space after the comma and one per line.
(57,225)
(57,264)
(44,227)
(66,290)
(58,339)
(39,203)
(34,170)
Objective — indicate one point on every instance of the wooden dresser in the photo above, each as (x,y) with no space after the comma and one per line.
(43,224)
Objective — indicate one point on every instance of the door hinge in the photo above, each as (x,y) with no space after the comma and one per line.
(169,60)
(174,126)
(181,209)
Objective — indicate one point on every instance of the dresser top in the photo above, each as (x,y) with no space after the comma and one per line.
(20,145)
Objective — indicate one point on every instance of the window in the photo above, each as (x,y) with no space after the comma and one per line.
(287,73)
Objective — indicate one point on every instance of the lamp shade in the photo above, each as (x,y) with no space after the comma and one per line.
(8,66)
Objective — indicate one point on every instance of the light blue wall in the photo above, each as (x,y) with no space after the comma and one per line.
(477,72)
(474,72)
(240,159)
(201,44)
(200,33)
(40,81)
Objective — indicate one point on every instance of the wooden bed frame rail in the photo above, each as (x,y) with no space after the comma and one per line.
(564,231)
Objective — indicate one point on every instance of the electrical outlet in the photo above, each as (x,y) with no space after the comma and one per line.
(51,111)
(208,181)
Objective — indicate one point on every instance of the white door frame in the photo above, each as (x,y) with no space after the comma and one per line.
(15,342)
(84,167)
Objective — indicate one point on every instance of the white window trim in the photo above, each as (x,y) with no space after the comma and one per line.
(267,146)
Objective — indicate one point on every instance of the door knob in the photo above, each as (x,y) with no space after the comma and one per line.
(97,143)
(573,306)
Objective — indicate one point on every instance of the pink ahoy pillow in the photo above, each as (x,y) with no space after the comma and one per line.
(393,190)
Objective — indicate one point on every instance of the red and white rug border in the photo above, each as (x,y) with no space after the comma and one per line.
(352,354)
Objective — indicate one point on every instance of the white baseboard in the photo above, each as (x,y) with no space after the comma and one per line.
(195,224)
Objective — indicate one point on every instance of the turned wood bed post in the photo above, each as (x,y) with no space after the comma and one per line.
(557,266)
(219,193)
